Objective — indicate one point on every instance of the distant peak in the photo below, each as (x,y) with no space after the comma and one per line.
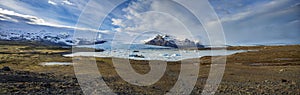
(172,41)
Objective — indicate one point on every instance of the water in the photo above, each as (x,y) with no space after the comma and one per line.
(156,54)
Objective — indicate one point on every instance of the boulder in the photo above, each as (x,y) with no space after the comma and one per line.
(6,68)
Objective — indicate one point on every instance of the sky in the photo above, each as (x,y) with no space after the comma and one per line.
(245,22)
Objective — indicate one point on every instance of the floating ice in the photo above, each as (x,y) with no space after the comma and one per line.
(174,55)
(156,54)
(56,63)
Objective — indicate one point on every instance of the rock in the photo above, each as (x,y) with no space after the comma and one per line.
(137,56)
(282,70)
(283,80)
(6,68)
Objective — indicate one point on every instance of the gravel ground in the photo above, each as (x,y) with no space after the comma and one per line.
(267,70)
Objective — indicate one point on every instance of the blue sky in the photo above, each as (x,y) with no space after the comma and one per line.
(245,22)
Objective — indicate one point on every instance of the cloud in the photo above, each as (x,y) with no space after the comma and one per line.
(61,2)
(17,18)
(57,14)
(7,15)
(67,2)
(266,23)
(165,17)
(117,22)
(51,2)
(65,12)
(256,10)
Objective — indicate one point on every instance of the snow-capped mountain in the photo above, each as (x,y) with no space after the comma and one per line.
(171,41)
(15,26)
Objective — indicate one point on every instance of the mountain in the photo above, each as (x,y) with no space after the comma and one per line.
(170,41)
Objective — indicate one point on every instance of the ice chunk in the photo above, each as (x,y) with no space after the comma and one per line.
(56,63)
(165,55)
(174,55)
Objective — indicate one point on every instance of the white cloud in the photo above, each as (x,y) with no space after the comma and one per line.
(257,10)
(51,2)
(30,19)
(25,7)
(67,2)
(118,29)
(60,14)
(117,22)
(7,15)
(294,22)
(262,24)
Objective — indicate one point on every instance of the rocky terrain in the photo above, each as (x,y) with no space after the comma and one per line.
(25,82)
(263,70)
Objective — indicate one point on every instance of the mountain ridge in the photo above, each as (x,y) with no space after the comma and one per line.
(170,41)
